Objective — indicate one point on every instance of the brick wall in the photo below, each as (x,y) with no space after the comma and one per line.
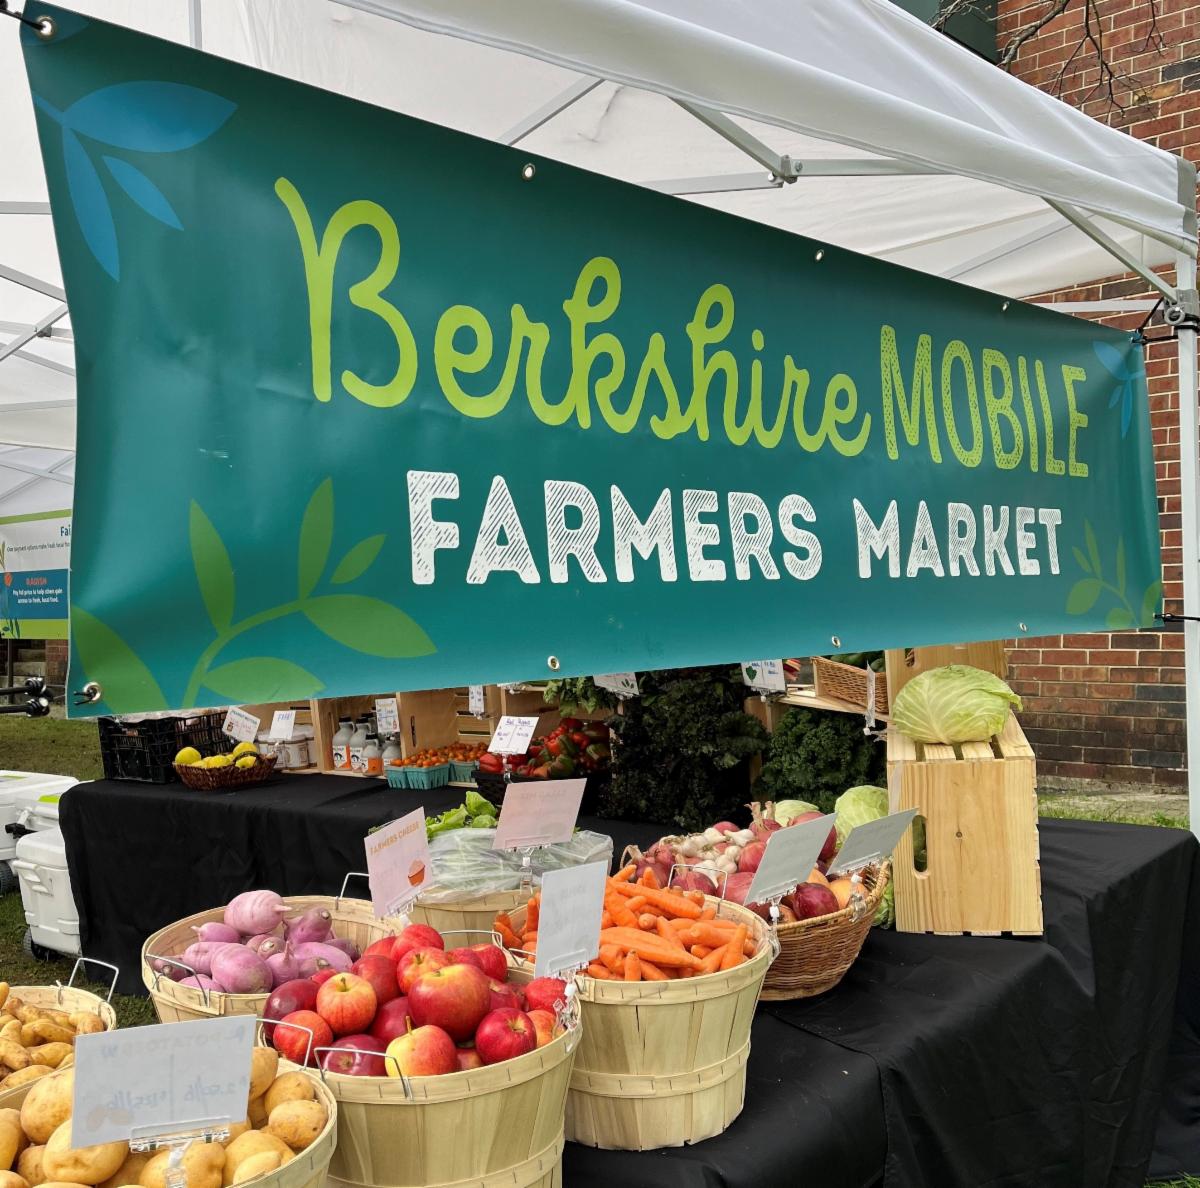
(56,662)
(1110,706)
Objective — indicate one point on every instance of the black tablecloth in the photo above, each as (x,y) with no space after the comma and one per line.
(939,1062)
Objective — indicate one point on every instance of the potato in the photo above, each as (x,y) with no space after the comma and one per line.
(292,1086)
(4,990)
(11,1030)
(29,1166)
(86,1022)
(130,1169)
(253,1142)
(202,1164)
(256,1112)
(51,1055)
(14,1055)
(236,1130)
(68,1059)
(297,1122)
(25,1075)
(11,1136)
(47,1031)
(257,1165)
(80,1165)
(47,1106)
(264,1065)
(10,1179)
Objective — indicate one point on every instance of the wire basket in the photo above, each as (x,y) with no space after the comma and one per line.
(221,779)
(844,682)
(145,749)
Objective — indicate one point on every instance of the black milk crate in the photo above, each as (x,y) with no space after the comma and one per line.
(145,750)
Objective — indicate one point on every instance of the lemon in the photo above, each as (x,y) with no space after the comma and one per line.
(246,761)
(187,756)
(244,748)
(218,761)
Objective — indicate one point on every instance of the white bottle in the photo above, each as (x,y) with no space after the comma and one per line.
(341,745)
(372,757)
(357,742)
(392,750)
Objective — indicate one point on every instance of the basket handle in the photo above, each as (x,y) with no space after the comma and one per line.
(354,874)
(264,1023)
(491,933)
(181,965)
(720,883)
(116,973)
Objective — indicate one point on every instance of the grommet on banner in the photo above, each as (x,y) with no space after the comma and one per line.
(820,255)
(528,170)
(44,27)
(1022,627)
(552,663)
(835,640)
(1004,306)
(90,693)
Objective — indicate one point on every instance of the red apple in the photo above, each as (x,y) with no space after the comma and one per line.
(453,998)
(355,1056)
(830,847)
(543,1025)
(468,1059)
(347,1003)
(504,1034)
(422,1052)
(381,973)
(465,957)
(297,995)
(322,976)
(292,1036)
(503,995)
(381,948)
(391,1020)
(492,961)
(543,993)
(416,936)
(417,962)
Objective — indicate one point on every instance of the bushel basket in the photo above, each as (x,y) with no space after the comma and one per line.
(814,955)
(844,682)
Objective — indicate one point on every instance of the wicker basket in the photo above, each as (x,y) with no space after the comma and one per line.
(353,919)
(844,682)
(221,779)
(814,955)
(471,913)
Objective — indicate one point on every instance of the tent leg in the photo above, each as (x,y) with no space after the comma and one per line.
(1189,496)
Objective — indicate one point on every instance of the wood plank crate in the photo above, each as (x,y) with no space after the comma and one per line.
(979,804)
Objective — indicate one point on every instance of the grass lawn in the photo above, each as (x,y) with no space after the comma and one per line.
(51,745)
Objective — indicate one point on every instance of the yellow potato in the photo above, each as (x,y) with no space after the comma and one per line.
(236,1130)
(253,1142)
(4,989)
(297,1122)
(14,1055)
(80,1165)
(10,1179)
(130,1169)
(47,1106)
(25,1075)
(291,1086)
(256,1112)
(11,1031)
(47,1031)
(51,1055)
(257,1165)
(202,1164)
(86,1022)
(29,1166)
(13,1117)
(68,1059)
(264,1064)
(11,1135)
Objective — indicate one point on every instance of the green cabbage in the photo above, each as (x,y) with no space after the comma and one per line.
(885,913)
(953,704)
(785,810)
(857,806)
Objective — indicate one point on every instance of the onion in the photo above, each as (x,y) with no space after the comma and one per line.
(764,824)
(696,880)
(752,857)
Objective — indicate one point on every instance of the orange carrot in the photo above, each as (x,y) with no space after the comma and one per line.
(532,913)
(670,901)
(621,915)
(606,920)
(650,879)
(612,958)
(530,936)
(665,931)
(705,933)
(708,912)
(637,904)
(733,951)
(596,970)
(651,972)
(646,922)
(649,946)
(712,962)
(624,874)
(511,939)
(680,925)
(700,951)
(633,966)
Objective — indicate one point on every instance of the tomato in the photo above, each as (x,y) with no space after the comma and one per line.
(555,746)
(580,739)
(571,723)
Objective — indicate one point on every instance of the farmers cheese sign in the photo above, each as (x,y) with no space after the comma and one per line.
(349,424)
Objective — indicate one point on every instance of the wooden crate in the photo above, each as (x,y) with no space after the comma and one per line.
(902,665)
(979,803)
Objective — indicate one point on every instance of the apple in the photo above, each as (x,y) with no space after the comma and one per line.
(391,1020)
(292,1036)
(453,998)
(543,1024)
(416,962)
(542,994)
(422,1052)
(381,973)
(355,1056)
(830,847)
(347,1003)
(492,961)
(297,995)
(465,957)
(468,1059)
(381,948)
(503,995)
(322,976)
(416,936)
(503,1034)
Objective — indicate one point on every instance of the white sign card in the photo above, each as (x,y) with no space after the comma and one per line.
(387,715)
(398,863)
(871,842)
(282,724)
(475,700)
(623,684)
(145,1082)
(513,735)
(789,858)
(538,813)
(240,725)
(764,675)
(569,921)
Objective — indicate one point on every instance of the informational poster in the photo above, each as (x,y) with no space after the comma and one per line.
(35,553)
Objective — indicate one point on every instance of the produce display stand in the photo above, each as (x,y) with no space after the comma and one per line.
(471,913)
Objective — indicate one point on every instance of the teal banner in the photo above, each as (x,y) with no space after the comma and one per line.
(369,405)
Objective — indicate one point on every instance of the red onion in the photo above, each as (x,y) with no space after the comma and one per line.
(751,857)
(763,825)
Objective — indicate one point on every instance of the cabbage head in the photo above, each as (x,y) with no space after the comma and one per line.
(885,913)
(785,810)
(953,704)
(857,806)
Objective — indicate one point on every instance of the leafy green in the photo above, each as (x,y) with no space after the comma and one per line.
(857,806)
(483,823)
(580,693)
(477,805)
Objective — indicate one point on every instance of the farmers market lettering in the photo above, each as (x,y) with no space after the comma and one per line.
(1008,403)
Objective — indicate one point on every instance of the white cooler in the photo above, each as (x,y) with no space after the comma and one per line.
(21,805)
(41,867)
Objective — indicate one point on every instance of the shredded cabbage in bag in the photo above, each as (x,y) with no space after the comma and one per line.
(953,704)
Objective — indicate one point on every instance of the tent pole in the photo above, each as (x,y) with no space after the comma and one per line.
(1189,497)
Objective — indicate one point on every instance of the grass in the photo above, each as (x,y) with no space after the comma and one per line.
(50,745)
(1186,1182)
(1078,809)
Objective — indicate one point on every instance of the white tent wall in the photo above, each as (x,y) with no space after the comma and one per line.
(854,123)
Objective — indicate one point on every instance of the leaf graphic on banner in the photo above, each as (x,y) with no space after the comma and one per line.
(358,560)
(1117,364)
(149,117)
(1118,619)
(143,191)
(1083,596)
(316,538)
(91,205)
(110,661)
(368,625)
(1081,560)
(1093,548)
(1121,567)
(214,572)
(1151,601)
(262,678)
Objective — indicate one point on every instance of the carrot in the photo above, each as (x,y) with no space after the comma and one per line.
(606,920)
(624,874)
(700,951)
(697,897)
(530,936)
(651,972)
(733,951)
(637,904)
(680,925)
(712,962)
(532,913)
(650,879)
(649,946)
(612,958)
(708,912)
(706,934)
(511,939)
(633,966)
(665,931)
(596,970)
(621,915)
(646,922)
(670,901)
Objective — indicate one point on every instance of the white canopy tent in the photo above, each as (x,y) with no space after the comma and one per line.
(846,120)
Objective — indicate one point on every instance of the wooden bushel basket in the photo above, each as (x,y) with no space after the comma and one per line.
(471,913)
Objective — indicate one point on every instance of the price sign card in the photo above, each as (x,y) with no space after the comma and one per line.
(282,724)
(387,715)
(764,675)
(240,725)
(513,735)
(475,700)
(398,863)
(788,860)
(871,842)
(569,922)
(623,684)
(145,1082)
(538,813)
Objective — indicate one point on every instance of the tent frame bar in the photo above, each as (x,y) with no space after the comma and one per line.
(28,335)
(31,282)
(544,114)
(24,208)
